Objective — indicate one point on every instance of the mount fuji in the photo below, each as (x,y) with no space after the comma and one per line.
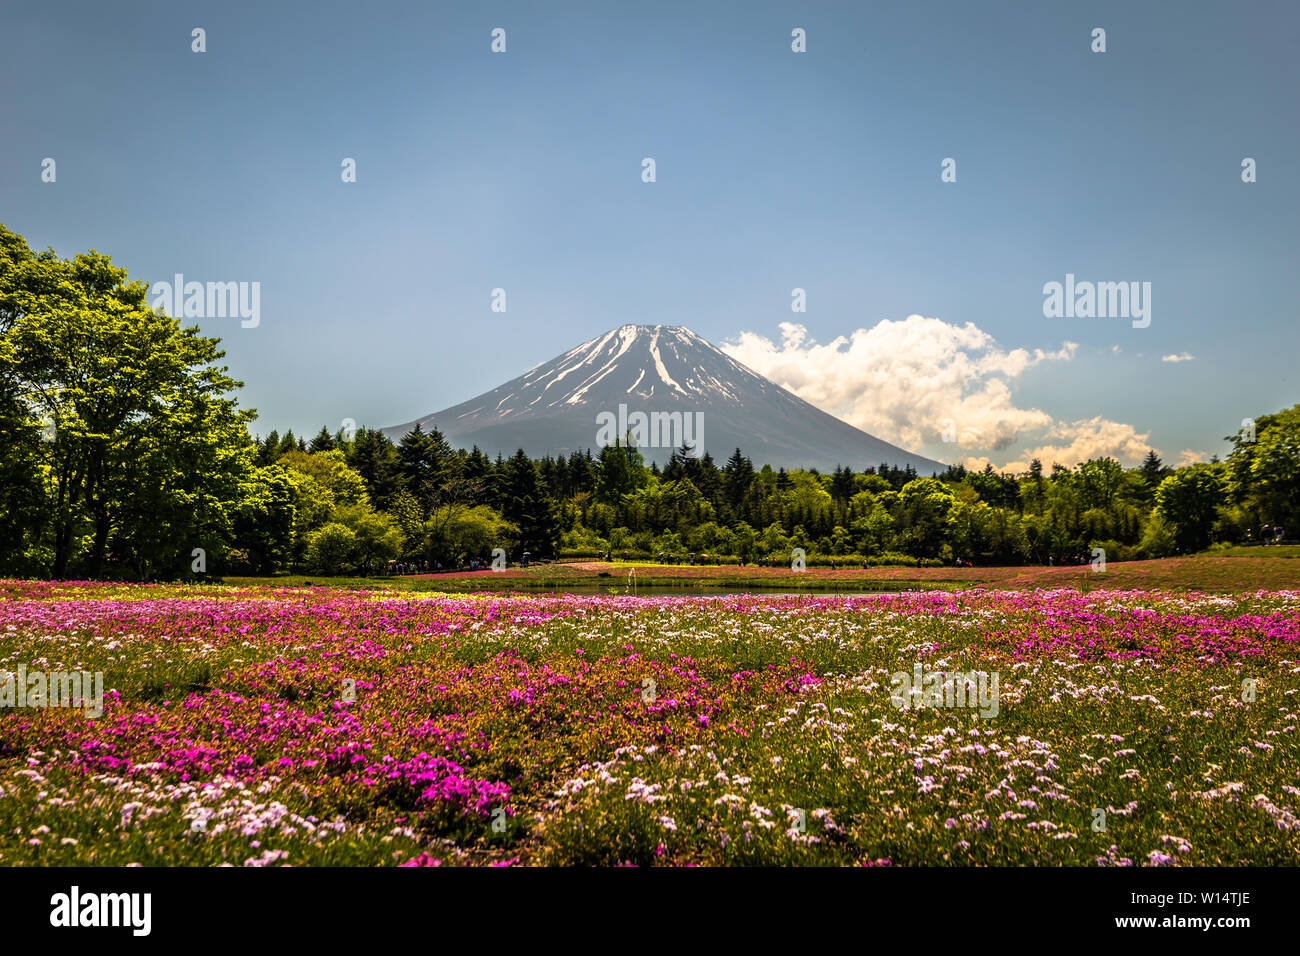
(665,373)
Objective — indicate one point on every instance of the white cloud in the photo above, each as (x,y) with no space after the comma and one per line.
(1077,442)
(1180,357)
(903,381)
(1190,457)
(906,381)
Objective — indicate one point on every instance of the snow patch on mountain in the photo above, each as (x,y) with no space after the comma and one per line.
(552,408)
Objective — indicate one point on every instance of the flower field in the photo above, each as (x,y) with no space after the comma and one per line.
(316,726)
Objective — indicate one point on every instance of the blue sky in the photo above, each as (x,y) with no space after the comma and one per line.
(775,170)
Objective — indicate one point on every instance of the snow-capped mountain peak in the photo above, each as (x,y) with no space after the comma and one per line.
(664,370)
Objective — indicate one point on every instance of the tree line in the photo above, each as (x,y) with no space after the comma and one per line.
(123,453)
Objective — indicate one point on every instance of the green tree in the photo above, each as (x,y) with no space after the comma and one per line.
(737,475)
(1099,481)
(622,471)
(1157,538)
(340,483)
(527,507)
(1153,470)
(375,459)
(1188,502)
(264,520)
(924,509)
(377,537)
(472,532)
(323,441)
(407,514)
(331,548)
(1264,473)
(416,455)
(268,449)
(145,444)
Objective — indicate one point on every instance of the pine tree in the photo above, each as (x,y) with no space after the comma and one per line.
(842,484)
(269,449)
(416,454)
(525,503)
(709,480)
(675,470)
(478,467)
(1153,470)
(737,476)
(563,488)
(622,471)
(375,458)
(582,472)
(323,441)
(496,487)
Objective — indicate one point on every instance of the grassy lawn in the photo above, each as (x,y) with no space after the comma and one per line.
(1239,570)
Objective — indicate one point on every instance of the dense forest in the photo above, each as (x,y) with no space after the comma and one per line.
(123,453)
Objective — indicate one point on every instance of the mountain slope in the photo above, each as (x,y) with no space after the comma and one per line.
(657,369)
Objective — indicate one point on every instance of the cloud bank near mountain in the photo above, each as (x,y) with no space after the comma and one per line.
(914,380)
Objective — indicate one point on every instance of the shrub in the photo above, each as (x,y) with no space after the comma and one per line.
(331,548)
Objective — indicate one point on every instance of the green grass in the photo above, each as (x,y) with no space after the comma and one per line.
(1226,571)
(1254,551)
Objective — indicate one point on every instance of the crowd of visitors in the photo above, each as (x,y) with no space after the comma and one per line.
(1272,534)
